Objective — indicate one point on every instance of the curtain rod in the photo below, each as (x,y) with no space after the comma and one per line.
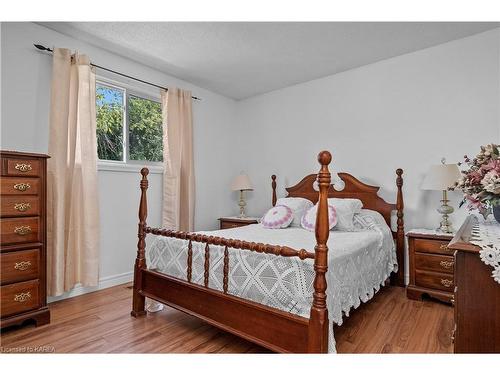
(43,48)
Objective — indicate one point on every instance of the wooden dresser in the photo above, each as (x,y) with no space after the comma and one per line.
(431,265)
(477,297)
(23,250)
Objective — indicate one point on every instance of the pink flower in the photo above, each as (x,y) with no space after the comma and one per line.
(492,165)
(475,177)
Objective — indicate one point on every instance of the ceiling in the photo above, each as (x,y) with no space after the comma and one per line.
(243,59)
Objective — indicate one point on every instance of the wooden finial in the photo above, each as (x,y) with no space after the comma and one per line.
(273,185)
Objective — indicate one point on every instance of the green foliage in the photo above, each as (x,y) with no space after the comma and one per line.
(109,115)
(145,126)
(145,129)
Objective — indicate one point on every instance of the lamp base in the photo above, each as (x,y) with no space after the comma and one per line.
(242,205)
(445,210)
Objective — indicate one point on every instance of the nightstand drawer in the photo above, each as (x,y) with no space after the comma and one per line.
(229,225)
(236,222)
(434,280)
(422,245)
(433,262)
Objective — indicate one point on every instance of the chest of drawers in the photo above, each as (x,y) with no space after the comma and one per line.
(431,266)
(23,240)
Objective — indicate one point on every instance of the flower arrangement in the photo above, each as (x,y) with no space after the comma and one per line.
(480,181)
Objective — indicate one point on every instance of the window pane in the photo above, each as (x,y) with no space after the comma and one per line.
(145,129)
(109,113)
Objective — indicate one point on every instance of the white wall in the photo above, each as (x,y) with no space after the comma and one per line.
(25,77)
(407,111)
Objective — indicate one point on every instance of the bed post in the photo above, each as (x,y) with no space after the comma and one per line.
(318,320)
(399,278)
(273,185)
(140,260)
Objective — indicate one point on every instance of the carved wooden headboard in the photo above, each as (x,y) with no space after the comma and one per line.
(368,194)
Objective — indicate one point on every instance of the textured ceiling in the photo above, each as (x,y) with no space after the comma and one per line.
(240,60)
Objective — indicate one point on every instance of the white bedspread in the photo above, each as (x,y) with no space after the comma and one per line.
(358,264)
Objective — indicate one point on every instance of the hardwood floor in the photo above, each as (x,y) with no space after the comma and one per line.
(100,322)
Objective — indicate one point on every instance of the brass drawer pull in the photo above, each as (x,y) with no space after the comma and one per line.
(444,247)
(23,167)
(22,186)
(22,297)
(447,283)
(22,230)
(23,265)
(21,207)
(446,264)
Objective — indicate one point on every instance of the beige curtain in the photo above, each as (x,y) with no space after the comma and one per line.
(178,176)
(72,197)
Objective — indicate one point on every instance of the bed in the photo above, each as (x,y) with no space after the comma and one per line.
(262,284)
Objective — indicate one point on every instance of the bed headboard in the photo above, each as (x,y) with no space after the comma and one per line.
(368,194)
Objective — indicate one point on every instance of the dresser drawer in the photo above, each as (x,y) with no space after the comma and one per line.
(19,297)
(23,167)
(19,230)
(19,206)
(19,186)
(19,265)
(422,245)
(434,280)
(229,225)
(433,262)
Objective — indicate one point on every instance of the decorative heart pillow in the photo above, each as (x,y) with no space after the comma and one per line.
(277,217)
(309,219)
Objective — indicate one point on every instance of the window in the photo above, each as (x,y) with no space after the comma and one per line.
(129,125)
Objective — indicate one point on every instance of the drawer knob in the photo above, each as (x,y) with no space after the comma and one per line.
(22,230)
(23,265)
(21,167)
(22,186)
(446,282)
(21,207)
(22,297)
(446,264)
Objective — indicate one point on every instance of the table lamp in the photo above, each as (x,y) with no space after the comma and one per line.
(441,177)
(241,183)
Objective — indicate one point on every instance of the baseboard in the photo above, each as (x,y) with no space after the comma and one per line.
(104,282)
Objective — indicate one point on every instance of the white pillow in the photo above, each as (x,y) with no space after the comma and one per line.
(308,220)
(299,206)
(277,217)
(346,208)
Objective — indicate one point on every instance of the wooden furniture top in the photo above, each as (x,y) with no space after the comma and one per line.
(236,219)
(461,241)
(23,154)
(429,234)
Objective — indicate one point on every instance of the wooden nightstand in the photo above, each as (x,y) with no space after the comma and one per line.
(235,222)
(431,265)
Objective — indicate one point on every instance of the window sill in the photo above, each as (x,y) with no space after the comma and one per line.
(129,168)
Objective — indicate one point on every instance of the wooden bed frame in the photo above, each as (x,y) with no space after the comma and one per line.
(274,329)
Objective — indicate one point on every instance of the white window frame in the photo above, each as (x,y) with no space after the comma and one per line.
(128,165)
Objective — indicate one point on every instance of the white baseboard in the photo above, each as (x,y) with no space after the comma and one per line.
(104,282)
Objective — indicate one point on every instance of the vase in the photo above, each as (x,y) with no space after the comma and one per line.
(496,212)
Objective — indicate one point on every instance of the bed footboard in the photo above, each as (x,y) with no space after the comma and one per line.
(272,328)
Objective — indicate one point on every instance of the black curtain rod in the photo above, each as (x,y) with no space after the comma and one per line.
(43,48)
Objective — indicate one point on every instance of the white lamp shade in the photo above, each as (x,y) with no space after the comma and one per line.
(241,182)
(441,177)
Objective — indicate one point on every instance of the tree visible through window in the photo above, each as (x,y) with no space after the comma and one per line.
(129,127)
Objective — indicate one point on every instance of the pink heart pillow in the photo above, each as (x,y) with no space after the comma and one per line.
(277,217)
(308,220)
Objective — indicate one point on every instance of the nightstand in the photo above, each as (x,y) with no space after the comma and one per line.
(431,265)
(235,222)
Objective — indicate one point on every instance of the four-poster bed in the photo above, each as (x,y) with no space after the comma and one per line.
(275,329)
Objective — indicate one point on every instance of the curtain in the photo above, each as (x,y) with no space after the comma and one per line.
(178,176)
(72,203)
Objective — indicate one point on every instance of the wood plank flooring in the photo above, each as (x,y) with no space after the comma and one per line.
(100,322)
